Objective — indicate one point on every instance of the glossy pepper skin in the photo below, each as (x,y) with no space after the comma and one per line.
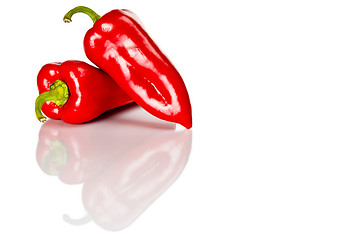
(120,46)
(76,92)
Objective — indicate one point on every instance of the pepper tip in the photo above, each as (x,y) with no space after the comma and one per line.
(187,124)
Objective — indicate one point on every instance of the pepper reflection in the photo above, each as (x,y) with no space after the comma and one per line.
(124,160)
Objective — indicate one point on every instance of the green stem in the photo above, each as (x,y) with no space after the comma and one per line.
(93,15)
(58,94)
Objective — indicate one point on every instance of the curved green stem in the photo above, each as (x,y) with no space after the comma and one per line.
(58,94)
(93,15)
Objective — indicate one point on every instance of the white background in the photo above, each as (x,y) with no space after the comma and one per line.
(274,87)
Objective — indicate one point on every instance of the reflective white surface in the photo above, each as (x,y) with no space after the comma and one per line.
(124,161)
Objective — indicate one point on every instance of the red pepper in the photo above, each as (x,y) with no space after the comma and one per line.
(76,92)
(119,45)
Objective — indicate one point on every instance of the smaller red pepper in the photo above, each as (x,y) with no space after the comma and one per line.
(76,92)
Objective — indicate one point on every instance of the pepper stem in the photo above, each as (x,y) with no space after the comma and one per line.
(58,94)
(93,15)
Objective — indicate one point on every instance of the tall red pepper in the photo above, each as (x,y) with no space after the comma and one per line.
(119,45)
(76,92)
